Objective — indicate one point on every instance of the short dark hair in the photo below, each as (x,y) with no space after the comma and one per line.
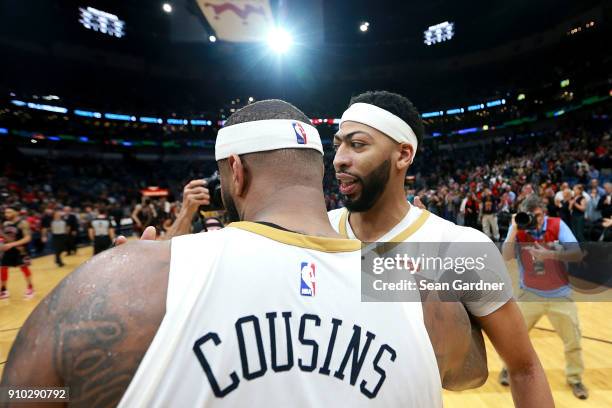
(267,109)
(286,161)
(396,104)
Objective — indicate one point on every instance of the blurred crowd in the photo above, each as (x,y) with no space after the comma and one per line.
(478,186)
(481,186)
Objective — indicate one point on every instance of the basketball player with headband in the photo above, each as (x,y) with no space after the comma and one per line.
(377,141)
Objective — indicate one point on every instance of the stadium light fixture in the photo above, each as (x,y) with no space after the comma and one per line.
(212,38)
(439,33)
(101,21)
(364,26)
(279,40)
(167,7)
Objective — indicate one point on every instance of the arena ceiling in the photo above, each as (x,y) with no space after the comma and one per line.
(45,44)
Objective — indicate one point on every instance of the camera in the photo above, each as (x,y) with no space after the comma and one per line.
(213,184)
(525,220)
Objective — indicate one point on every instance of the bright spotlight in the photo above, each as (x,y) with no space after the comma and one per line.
(251,99)
(212,38)
(364,27)
(167,7)
(279,40)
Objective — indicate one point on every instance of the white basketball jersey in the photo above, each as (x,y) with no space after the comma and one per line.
(420,225)
(261,317)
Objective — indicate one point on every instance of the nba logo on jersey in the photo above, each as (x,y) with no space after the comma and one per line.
(307,279)
(300,133)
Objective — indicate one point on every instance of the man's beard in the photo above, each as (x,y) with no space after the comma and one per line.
(372,187)
(229,205)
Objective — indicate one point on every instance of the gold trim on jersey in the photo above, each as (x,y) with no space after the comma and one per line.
(343,221)
(401,237)
(322,244)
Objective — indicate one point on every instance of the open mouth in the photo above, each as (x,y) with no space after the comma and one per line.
(348,183)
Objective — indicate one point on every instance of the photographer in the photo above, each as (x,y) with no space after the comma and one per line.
(544,280)
(195,194)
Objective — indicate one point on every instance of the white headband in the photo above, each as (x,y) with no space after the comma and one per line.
(381,120)
(265,135)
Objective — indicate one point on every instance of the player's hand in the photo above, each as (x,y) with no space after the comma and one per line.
(607,222)
(513,222)
(417,202)
(8,246)
(195,194)
(148,234)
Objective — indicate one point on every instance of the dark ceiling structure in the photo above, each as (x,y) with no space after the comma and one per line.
(165,62)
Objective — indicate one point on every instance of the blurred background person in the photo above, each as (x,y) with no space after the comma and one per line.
(73,231)
(592,223)
(59,236)
(488,207)
(101,231)
(577,207)
(16,236)
(472,209)
(212,224)
(563,206)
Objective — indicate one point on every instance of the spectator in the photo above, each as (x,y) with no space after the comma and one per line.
(563,206)
(471,211)
(578,207)
(489,215)
(212,224)
(605,202)
(595,185)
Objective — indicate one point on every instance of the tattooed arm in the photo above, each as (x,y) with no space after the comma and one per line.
(92,331)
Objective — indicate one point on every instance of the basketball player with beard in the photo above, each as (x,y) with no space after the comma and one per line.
(265,312)
(376,144)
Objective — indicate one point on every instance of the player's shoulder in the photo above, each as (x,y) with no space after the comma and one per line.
(135,257)
(335,215)
(138,268)
(232,234)
(23,225)
(452,232)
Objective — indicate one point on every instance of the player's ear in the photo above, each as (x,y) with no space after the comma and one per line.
(406,155)
(238,174)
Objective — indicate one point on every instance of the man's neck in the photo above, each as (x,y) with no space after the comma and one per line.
(295,208)
(389,210)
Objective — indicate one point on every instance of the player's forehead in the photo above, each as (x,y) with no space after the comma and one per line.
(350,129)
